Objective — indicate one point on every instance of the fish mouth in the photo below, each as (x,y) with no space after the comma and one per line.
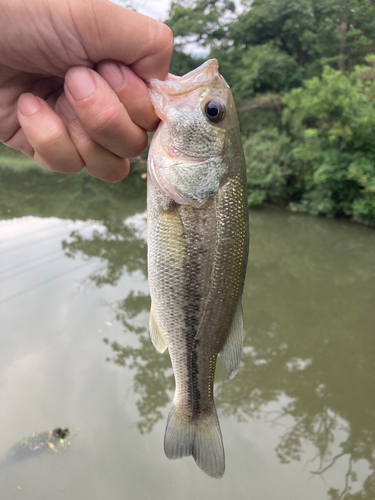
(175,86)
(163,92)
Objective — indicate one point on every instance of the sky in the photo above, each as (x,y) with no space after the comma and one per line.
(158,9)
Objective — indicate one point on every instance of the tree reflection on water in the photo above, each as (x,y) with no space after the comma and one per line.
(309,315)
(119,246)
(153,376)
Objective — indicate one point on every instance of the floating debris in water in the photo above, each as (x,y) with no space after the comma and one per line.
(54,441)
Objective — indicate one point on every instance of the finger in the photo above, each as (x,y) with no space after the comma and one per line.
(19,141)
(15,85)
(108,31)
(100,162)
(102,116)
(47,135)
(132,92)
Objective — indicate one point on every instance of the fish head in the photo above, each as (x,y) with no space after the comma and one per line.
(187,155)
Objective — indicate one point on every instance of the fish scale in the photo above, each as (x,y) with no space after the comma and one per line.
(197,253)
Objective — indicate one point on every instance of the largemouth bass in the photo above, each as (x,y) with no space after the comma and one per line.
(197,251)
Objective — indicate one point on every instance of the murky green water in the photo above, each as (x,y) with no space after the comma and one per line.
(298,420)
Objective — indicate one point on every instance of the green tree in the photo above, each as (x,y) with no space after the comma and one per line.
(183,63)
(200,21)
(273,45)
(309,30)
(264,68)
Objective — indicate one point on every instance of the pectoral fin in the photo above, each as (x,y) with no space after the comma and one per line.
(172,239)
(231,354)
(155,334)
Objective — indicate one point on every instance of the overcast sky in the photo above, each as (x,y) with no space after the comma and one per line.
(158,9)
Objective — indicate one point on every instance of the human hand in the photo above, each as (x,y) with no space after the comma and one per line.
(55,107)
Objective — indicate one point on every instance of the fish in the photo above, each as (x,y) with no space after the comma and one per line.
(198,240)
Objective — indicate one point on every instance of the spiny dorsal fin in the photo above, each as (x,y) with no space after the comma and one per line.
(155,334)
(231,354)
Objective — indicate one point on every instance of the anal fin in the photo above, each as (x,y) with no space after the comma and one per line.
(231,354)
(155,333)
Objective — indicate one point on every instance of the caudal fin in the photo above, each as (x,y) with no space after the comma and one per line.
(200,438)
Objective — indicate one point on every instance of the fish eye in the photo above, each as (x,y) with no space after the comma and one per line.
(215,110)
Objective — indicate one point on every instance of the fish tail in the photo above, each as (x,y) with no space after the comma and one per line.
(200,438)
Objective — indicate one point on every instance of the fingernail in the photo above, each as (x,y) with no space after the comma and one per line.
(80,83)
(113,75)
(66,109)
(29,104)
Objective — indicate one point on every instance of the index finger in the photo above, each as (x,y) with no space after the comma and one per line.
(132,92)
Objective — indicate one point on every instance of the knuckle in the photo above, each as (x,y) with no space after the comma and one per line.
(166,36)
(152,124)
(115,175)
(137,148)
(70,167)
(73,168)
(113,178)
(8,124)
(45,163)
(48,139)
(105,120)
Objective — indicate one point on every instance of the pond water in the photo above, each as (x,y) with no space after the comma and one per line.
(298,421)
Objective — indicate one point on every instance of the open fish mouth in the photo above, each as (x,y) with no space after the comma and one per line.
(179,85)
(164,93)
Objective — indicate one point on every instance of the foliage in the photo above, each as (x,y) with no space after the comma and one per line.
(311,57)
(314,56)
(296,37)
(267,155)
(200,20)
(42,193)
(332,121)
(309,30)
(183,63)
(265,68)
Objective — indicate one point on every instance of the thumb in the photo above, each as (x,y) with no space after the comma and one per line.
(108,31)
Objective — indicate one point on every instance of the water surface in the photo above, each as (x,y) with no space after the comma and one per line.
(298,420)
